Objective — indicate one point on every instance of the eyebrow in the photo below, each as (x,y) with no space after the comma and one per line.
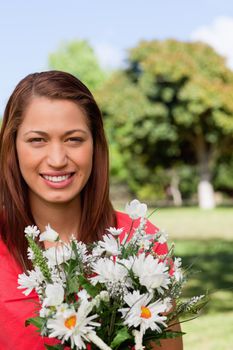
(43,133)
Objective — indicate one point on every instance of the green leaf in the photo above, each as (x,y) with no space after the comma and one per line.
(165,335)
(72,285)
(54,347)
(36,321)
(171,335)
(121,336)
(91,290)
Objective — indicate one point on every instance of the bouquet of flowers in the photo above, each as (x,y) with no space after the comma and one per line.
(117,293)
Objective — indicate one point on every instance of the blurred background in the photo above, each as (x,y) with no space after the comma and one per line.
(161,72)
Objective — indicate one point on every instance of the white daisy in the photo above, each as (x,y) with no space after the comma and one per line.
(135,209)
(115,231)
(110,245)
(152,273)
(108,271)
(29,281)
(32,231)
(143,314)
(73,325)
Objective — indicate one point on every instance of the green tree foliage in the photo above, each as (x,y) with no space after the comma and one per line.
(172,106)
(223,179)
(79,59)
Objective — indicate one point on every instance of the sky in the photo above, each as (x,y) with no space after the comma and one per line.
(31,30)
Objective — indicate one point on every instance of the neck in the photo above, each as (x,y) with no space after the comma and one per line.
(62,217)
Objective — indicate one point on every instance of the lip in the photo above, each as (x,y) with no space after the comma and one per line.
(60,184)
(57,173)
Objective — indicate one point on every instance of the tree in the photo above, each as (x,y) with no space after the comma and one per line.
(174,105)
(79,59)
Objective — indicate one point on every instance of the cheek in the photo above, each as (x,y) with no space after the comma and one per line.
(86,158)
(27,159)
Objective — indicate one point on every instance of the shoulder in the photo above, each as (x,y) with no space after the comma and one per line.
(123,220)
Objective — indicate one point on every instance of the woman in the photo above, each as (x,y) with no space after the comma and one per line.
(54,169)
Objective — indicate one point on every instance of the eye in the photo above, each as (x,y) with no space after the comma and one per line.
(36,140)
(75,139)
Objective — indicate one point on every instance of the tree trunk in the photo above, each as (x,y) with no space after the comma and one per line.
(175,191)
(206,198)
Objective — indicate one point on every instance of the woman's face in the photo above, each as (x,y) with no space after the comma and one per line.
(55,148)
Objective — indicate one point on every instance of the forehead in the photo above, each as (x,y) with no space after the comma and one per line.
(43,112)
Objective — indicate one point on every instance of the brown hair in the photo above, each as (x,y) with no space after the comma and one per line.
(97,211)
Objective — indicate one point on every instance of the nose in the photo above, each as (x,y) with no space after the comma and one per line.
(57,157)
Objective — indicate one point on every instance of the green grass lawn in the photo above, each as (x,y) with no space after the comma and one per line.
(188,223)
(204,241)
(209,332)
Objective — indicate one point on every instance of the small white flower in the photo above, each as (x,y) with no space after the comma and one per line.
(82,250)
(115,231)
(178,274)
(63,308)
(191,302)
(145,241)
(54,295)
(72,325)
(162,236)
(58,276)
(168,302)
(83,295)
(49,235)
(44,312)
(142,313)
(30,254)
(135,209)
(97,251)
(110,245)
(32,231)
(103,295)
(58,255)
(30,281)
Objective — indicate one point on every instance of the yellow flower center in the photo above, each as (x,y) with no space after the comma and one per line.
(70,322)
(145,312)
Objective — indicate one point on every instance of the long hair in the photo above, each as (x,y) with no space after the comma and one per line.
(96,210)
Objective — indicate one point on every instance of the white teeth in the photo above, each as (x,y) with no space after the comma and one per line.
(56,178)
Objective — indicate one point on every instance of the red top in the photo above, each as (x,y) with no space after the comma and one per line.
(15,307)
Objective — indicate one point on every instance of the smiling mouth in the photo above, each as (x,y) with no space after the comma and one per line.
(57,179)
